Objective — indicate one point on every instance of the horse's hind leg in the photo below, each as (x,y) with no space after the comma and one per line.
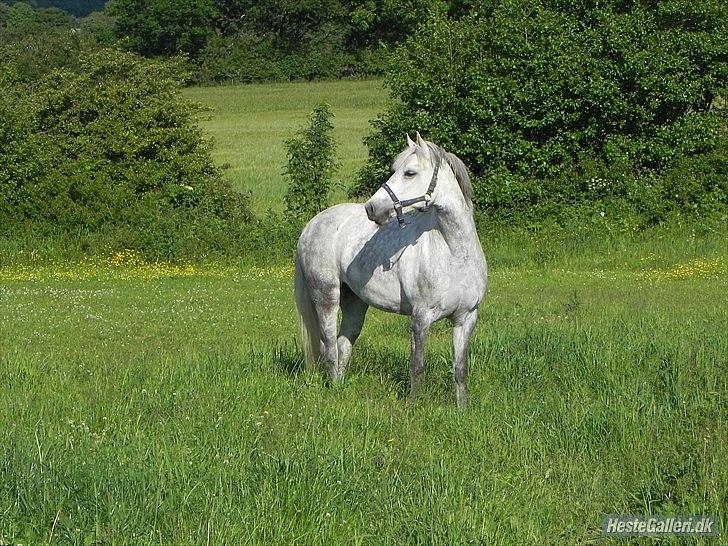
(353,313)
(462,329)
(327,309)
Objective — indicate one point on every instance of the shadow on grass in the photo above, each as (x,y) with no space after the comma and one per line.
(389,364)
(383,364)
(288,357)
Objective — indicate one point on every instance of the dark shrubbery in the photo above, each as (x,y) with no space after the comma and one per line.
(560,103)
(111,149)
(32,44)
(244,58)
(253,41)
(163,27)
(35,41)
(247,58)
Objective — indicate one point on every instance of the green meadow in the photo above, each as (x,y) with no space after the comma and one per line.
(155,403)
(250,123)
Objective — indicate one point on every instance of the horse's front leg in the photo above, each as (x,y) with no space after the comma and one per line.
(420,327)
(462,329)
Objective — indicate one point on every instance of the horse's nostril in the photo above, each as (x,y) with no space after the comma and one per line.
(370,210)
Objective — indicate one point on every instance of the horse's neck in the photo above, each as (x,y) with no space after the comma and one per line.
(455,222)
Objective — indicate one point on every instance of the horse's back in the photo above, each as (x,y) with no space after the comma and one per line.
(318,245)
(321,230)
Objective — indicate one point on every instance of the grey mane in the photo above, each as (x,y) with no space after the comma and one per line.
(459,170)
(458,167)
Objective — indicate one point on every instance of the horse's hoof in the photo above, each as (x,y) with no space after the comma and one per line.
(462,400)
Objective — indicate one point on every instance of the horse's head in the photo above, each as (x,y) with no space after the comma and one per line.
(415,181)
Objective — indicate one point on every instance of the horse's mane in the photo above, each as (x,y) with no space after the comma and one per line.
(458,167)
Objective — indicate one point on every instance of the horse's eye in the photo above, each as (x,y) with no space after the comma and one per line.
(410,174)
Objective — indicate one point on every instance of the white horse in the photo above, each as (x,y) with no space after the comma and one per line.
(411,249)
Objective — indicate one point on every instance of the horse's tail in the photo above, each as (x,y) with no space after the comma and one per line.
(308,323)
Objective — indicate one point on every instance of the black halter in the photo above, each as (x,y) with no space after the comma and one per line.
(427,197)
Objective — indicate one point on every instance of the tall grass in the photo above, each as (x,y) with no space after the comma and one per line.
(159,406)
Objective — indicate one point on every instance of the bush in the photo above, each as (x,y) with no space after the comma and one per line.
(34,42)
(540,97)
(311,163)
(163,27)
(110,149)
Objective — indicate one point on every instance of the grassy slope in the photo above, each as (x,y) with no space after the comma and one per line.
(250,124)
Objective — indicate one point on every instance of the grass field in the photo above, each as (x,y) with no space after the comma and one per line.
(250,124)
(149,403)
(158,404)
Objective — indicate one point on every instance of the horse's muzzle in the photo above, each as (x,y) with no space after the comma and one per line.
(378,209)
(372,215)
(370,210)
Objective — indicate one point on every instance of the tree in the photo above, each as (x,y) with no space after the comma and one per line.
(112,148)
(375,22)
(33,42)
(20,19)
(311,164)
(78,8)
(541,96)
(295,24)
(164,27)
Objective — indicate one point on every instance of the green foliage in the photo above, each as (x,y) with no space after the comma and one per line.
(100,26)
(244,58)
(247,40)
(295,23)
(373,22)
(78,8)
(239,58)
(20,18)
(311,164)
(33,42)
(113,149)
(541,97)
(164,27)
(31,56)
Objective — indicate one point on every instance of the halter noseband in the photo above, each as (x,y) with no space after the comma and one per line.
(427,197)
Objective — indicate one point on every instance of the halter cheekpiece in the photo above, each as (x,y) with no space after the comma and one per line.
(427,197)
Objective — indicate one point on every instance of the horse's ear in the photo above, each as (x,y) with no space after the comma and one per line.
(410,142)
(420,142)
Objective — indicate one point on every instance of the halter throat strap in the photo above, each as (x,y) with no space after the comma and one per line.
(399,204)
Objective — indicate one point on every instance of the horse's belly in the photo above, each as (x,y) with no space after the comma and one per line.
(382,293)
(401,287)
(388,270)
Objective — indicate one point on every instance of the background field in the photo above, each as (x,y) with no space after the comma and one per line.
(165,404)
(250,123)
